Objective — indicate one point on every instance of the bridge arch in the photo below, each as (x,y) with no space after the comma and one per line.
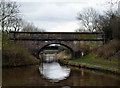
(36,41)
(41,49)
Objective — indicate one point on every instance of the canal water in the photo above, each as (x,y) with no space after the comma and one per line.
(54,74)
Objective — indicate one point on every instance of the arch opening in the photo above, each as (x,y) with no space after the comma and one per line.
(70,50)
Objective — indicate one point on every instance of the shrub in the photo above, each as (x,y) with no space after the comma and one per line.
(109,49)
(14,55)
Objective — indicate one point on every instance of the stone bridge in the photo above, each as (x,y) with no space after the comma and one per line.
(35,42)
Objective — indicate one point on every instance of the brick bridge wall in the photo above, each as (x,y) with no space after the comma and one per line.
(36,41)
(36,46)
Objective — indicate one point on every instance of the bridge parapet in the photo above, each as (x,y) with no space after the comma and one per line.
(57,36)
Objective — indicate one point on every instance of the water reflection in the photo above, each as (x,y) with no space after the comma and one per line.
(30,76)
(49,58)
(54,71)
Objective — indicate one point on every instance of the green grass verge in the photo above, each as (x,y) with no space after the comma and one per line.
(92,62)
(94,59)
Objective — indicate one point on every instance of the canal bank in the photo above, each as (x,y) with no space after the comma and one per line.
(92,64)
(104,58)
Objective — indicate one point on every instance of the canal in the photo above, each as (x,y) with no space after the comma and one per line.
(54,74)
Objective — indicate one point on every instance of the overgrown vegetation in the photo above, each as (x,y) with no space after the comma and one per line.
(108,50)
(10,18)
(86,47)
(15,55)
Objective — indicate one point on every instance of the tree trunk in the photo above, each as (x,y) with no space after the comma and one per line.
(2,25)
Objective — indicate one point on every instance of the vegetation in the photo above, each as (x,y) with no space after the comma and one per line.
(107,56)
(64,49)
(15,55)
(89,18)
(108,23)
(29,27)
(90,62)
(10,18)
(104,58)
(95,22)
(109,50)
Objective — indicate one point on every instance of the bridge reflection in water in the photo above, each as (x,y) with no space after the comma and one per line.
(31,76)
(49,58)
(53,70)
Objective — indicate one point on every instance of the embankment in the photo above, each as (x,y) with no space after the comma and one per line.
(105,58)
(88,65)
(14,55)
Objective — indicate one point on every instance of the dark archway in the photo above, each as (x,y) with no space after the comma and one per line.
(72,52)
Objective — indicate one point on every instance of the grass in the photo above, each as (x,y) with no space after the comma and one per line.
(92,61)
(106,56)
(93,58)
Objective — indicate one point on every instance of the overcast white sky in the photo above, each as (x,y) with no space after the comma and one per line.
(57,15)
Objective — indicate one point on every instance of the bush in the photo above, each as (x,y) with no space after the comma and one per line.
(15,55)
(109,49)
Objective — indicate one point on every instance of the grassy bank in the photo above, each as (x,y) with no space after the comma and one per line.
(15,55)
(93,60)
(93,64)
(105,58)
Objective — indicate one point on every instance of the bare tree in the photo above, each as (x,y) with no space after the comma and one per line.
(16,24)
(110,21)
(113,6)
(29,27)
(89,18)
(9,12)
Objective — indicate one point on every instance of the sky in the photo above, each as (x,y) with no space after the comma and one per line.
(57,15)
